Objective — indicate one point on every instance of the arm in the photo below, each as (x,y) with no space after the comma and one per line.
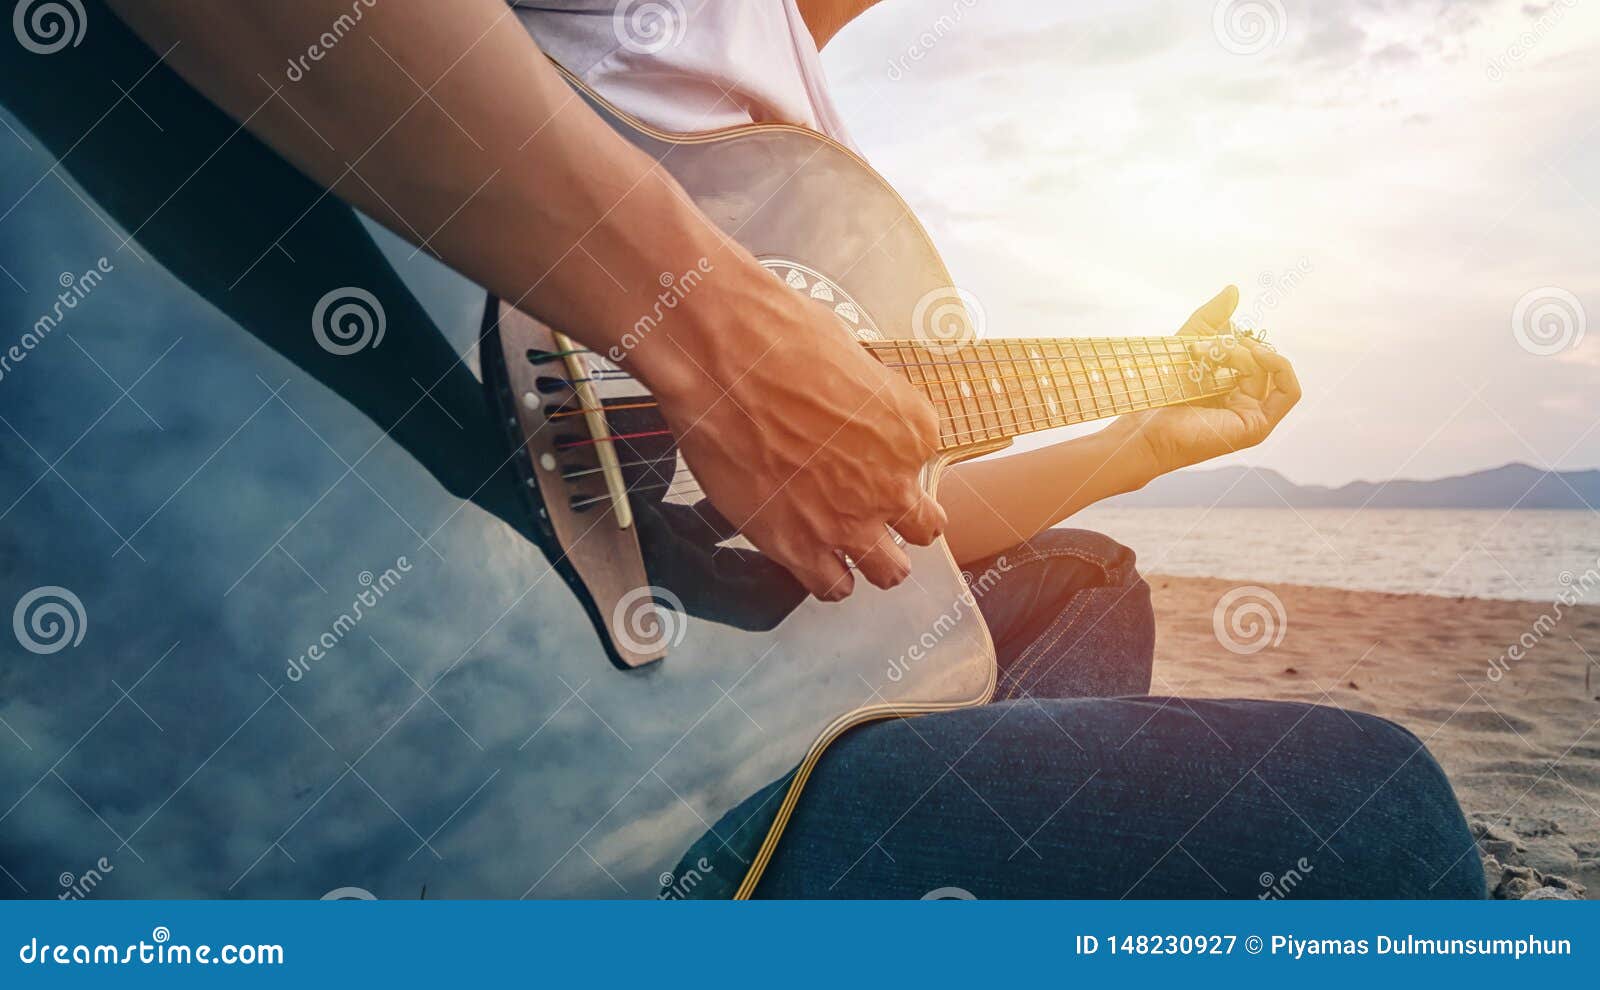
(825,18)
(446,123)
(996,503)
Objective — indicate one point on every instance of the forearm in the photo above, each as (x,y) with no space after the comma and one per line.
(497,167)
(825,18)
(995,503)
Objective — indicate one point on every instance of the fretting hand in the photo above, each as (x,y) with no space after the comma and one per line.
(1163,440)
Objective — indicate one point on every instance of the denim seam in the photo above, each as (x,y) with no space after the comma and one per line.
(1033,556)
(1019,670)
(1084,594)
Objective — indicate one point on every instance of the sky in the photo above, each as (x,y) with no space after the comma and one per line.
(1385,180)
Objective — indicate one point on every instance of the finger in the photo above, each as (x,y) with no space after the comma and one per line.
(882,562)
(1214,315)
(825,576)
(1285,385)
(1253,422)
(1254,380)
(923,522)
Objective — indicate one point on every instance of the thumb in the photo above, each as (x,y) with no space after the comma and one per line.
(1214,315)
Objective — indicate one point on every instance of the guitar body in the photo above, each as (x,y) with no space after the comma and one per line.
(307,664)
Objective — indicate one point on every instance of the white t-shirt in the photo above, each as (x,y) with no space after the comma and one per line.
(691,65)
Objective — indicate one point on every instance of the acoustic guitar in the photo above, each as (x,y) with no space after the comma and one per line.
(383,688)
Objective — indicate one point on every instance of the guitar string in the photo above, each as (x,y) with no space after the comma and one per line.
(983,431)
(1118,394)
(1113,384)
(692,486)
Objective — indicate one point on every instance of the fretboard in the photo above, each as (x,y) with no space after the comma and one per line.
(995,389)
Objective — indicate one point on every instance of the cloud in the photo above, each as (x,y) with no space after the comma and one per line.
(1104,167)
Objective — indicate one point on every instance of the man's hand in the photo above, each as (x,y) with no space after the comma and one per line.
(1167,439)
(797,435)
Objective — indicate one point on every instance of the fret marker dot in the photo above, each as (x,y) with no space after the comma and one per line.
(966,390)
(994,384)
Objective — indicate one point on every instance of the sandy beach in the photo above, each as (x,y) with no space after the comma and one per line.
(1523,750)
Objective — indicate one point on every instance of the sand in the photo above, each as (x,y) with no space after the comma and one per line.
(1523,751)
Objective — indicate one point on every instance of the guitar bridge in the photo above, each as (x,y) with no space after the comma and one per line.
(550,399)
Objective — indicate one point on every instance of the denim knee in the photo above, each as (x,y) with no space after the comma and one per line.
(1413,823)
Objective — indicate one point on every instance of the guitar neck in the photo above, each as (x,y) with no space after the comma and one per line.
(990,390)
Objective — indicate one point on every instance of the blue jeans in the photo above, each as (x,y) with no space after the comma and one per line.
(1074,783)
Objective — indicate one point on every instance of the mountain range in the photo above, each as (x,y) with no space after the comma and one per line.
(1514,485)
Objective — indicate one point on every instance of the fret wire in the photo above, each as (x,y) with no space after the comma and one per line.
(1023,382)
(1138,405)
(1111,390)
(1110,382)
(947,373)
(959,437)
